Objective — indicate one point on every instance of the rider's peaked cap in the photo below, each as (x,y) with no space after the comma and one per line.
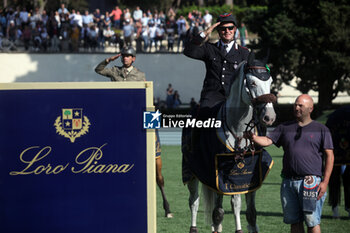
(227,18)
(128,51)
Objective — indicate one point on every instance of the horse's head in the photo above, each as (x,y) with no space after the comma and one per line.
(258,83)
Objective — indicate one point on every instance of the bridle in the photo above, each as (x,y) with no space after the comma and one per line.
(254,122)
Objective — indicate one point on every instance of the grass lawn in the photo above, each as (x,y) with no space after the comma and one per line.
(268,204)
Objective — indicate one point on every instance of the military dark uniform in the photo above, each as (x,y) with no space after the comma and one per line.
(220,68)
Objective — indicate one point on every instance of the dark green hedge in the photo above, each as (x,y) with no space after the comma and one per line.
(241,13)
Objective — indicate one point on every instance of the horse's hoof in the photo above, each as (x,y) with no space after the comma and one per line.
(169,215)
(193,230)
(218,215)
(239,231)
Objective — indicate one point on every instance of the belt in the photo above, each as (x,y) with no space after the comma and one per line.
(292,177)
(296,177)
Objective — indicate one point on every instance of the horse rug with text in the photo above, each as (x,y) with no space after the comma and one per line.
(236,174)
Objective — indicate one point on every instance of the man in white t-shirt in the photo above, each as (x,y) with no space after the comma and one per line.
(137,14)
(208,18)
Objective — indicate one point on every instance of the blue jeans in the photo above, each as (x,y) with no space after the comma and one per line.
(117,23)
(145,43)
(292,204)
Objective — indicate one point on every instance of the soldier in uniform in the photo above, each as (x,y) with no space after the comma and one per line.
(221,60)
(127,72)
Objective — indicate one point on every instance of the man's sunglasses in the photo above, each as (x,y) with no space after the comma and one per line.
(224,28)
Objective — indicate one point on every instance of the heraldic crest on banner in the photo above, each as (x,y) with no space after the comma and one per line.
(71,124)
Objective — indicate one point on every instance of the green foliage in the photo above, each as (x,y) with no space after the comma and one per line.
(147,4)
(215,11)
(79,5)
(308,40)
(241,13)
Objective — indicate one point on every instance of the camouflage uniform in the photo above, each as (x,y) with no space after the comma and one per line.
(117,73)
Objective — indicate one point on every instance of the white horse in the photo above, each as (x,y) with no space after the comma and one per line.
(248,107)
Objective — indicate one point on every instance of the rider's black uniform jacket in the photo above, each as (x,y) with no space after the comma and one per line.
(220,68)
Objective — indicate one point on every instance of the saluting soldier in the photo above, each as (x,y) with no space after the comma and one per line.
(127,72)
(221,60)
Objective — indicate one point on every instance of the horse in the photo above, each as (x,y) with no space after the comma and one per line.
(224,151)
(160,178)
(339,124)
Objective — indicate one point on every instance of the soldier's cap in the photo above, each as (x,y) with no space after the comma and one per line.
(128,51)
(227,18)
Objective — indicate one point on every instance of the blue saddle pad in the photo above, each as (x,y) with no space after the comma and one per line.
(241,175)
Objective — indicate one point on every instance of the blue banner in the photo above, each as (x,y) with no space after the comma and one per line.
(73,160)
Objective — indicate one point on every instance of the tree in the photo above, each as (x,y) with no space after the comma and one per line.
(229,2)
(309,40)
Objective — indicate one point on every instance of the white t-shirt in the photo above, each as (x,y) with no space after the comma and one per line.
(208,18)
(153,32)
(137,14)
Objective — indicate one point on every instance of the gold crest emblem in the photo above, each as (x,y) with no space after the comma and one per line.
(240,165)
(72,124)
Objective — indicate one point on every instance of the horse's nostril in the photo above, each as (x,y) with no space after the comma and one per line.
(266,118)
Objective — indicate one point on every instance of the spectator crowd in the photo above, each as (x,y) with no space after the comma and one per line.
(69,30)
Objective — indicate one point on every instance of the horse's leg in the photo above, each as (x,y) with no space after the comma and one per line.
(213,211)
(160,183)
(334,190)
(236,204)
(218,214)
(193,202)
(251,212)
(346,184)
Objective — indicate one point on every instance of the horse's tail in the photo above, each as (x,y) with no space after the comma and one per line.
(209,198)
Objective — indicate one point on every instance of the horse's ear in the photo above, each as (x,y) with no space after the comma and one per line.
(251,58)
